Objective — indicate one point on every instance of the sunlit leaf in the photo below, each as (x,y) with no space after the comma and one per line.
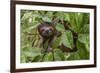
(47,19)
(60,27)
(67,39)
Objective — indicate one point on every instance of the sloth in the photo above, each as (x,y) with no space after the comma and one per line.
(49,33)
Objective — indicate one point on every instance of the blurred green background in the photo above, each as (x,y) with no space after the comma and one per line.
(31,49)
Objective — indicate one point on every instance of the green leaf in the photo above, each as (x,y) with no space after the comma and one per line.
(23,59)
(28,54)
(58,55)
(74,56)
(48,57)
(37,58)
(66,17)
(84,54)
(81,54)
(84,38)
(49,14)
(85,28)
(57,42)
(67,39)
(60,27)
(47,19)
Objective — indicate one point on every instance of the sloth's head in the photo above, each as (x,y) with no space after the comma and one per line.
(46,30)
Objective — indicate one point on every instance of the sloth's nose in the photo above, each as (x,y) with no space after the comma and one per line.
(48,31)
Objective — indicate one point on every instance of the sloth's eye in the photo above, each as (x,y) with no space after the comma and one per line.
(50,29)
(42,30)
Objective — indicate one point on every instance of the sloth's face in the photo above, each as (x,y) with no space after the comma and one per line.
(47,31)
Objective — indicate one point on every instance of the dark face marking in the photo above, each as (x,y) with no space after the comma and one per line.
(46,30)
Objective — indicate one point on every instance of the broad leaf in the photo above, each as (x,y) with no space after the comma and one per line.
(48,57)
(60,27)
(58,55)
(67,39)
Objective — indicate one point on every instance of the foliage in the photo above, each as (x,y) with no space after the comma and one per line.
(31,47)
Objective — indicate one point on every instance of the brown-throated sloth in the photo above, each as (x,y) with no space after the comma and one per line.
(48,32)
